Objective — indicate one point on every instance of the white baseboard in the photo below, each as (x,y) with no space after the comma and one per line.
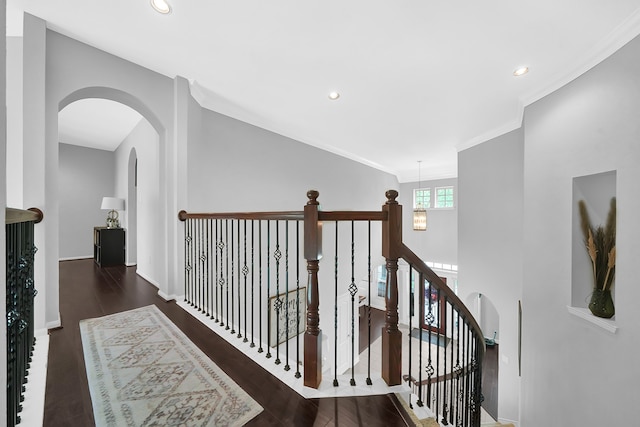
(54,323)
(508,421)
(33,406)
(165,296)
(147,278)
(73,258)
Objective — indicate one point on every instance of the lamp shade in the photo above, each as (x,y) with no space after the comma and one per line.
(112,203)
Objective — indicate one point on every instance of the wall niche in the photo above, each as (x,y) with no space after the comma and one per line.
(596,190)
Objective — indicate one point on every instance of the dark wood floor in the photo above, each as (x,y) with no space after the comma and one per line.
(87,291)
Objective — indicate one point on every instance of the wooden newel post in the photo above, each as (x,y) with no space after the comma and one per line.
(391,336)
(313,254)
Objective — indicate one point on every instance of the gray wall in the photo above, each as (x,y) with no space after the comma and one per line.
(490,216)
(86,176)
(587,127)
(234,165)
(439,243)
(14,122)
(144,139)
(3,184)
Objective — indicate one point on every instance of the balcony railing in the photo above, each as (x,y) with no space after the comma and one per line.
(243,271)
(20,294)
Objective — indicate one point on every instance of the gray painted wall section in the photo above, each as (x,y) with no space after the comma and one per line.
(235,165)
(490,218)
(14,122)
(3,194)
(86,176)
(439,243)
(589,126)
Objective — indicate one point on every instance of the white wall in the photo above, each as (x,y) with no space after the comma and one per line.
(144,139)
(3,184)
(57,71)
(14,123)
(86,176)
(490,217)
(237,167)
(439,243)
(589,126)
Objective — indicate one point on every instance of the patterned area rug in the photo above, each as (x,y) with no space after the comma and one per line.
(143,371)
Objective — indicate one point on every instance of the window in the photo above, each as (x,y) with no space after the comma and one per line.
(382,280)
(444,197)
(422,198)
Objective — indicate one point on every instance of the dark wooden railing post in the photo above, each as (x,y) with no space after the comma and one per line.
(391,250)
(313,254)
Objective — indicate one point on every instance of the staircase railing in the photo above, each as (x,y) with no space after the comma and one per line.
(20,293)
(243,271)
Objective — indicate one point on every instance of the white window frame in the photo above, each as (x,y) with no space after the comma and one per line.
(453,197)
(425,189)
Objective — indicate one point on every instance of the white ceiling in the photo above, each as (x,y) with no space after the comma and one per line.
(419,79)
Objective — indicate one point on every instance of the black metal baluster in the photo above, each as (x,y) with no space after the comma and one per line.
(451,381)
(245,271)
(253,270)
(411,296)
(226,270)
(201,266)
(286,293)
(231,283)
(239,297)
(268,289)
(457,369)
(260,350)
(298,334)
(191,261)
(186,259)
(421,288)
(369,382)
(196,263)
(353,290)
(434,391)
(219,272)
(445,407)
(277,254)
(208,269)
(335,316)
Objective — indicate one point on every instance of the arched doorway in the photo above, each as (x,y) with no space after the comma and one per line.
(140,141)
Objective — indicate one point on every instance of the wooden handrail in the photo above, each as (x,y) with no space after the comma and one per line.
(14,216)
(289,215)
(284,215)
(409,256)
(352,216)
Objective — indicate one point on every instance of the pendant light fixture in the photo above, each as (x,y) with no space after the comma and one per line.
(419,212)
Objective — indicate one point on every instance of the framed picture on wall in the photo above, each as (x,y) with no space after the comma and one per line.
(285,322)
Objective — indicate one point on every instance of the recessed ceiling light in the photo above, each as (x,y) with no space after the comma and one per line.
(521,71)
(161,6)
(334,95)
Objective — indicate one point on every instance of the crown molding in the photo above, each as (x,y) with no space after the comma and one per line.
(616,39)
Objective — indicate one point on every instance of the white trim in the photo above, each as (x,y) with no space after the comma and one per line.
(584,313)
(508,421)
(73,258)
(166,297)
(33,406)
(130,264)
(616,39)
(206,99)
(147,278)
(54,324)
